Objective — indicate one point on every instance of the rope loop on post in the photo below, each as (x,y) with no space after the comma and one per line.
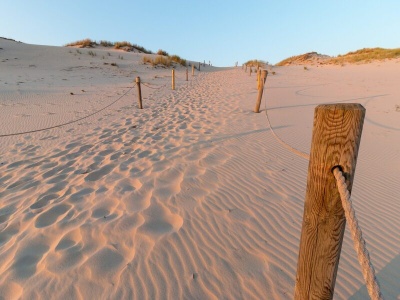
(367,268)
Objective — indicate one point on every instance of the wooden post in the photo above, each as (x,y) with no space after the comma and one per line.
(258,79)
(192,70)
(260,91)
(250,71)
(187,74)
(139,92)
(335,142)
(199,66)
(173,79)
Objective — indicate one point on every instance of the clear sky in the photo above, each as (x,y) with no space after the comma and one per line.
(222,32)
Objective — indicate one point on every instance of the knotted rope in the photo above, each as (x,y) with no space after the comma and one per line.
(359,242)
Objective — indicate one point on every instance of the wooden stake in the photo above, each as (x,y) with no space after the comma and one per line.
(139,92)
(261,90)
(187,74)
(173,79)
(250,71)
(335,142)
(199,66)
(192,70)
(258,79)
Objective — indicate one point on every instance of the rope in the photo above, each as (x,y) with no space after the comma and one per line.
(67,123)
(290,148)
(359,242)
(154,88)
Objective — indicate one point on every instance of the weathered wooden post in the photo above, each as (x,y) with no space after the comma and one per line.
(199,66)
(260,91)
(335,142)
(258,79)
(139,92)
(192,70)
(187,74)
(250,71)
(173,79)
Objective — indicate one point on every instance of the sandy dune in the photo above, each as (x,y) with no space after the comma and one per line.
(191,197)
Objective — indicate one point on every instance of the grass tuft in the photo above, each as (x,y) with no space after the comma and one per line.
(86,43)
(256,63)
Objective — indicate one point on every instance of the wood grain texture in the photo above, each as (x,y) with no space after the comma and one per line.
(139,92)
(335,142)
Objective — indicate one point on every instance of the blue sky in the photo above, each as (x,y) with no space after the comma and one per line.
(222,32)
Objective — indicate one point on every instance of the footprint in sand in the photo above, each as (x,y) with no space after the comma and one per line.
(160,221)
(104,262)
(51,216)
(27,259)
(96,175)
(43,200)
(68,252)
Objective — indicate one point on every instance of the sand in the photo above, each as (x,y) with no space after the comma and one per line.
(189,198)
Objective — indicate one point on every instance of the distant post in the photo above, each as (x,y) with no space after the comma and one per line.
(187,72)
(139,92)
(264,74)
(192,70)
(250,71)
(335,142)
(173,79)
(199,66)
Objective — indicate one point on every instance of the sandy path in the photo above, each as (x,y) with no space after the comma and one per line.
(191,197)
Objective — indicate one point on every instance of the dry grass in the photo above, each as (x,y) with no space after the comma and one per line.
(123,44)
(166,61)
(162,52)
(106,43)
(365,55)
(86,43)
(256,63)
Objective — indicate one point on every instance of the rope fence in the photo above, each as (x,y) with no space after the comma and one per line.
(320,244)
(146,84)
(69,122)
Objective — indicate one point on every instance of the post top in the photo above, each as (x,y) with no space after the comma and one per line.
(340,106)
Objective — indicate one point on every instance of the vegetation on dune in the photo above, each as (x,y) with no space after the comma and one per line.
(124,45)
(162,52)
(256,63)
(106,43)
(164,60)
(365,55)
(86,43)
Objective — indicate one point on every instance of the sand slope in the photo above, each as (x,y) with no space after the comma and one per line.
(189,198)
